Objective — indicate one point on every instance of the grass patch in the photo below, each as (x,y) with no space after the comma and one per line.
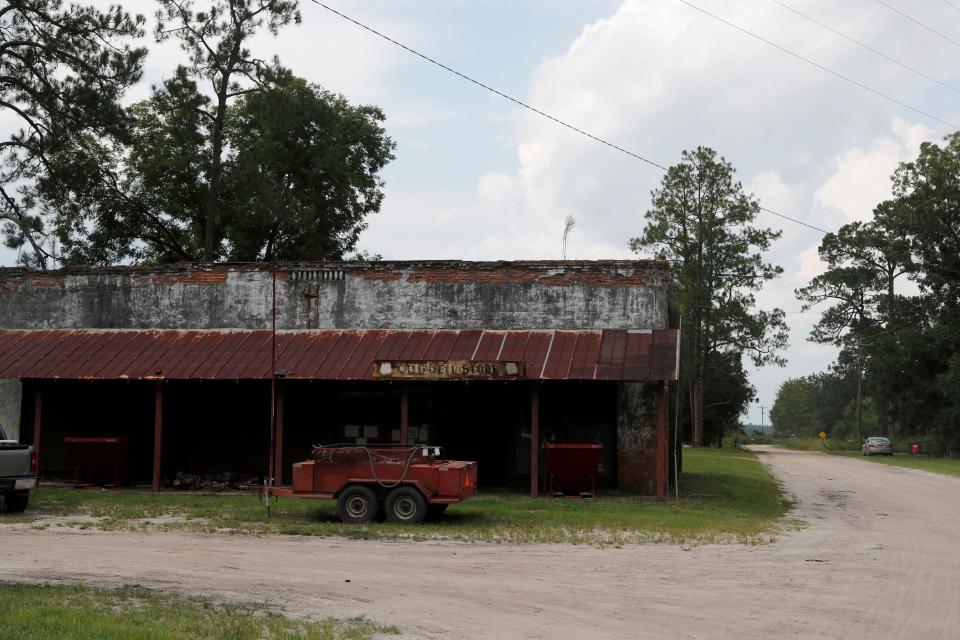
(74,612)
(726,496)
(946,466)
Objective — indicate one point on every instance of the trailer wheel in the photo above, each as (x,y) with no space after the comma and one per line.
(357,504)
(405,505)
(17,502)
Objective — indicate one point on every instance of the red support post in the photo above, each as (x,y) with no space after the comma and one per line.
(37,415)
(157,434)
(535,441)
(404,418)
(278,445)
(662,442)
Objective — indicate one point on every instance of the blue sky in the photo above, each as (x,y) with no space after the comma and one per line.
(475,177)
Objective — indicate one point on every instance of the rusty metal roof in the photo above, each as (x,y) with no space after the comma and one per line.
(342,354)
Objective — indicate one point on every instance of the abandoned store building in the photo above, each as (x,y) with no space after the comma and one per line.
(486,359)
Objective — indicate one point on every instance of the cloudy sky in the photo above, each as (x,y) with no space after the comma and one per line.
(476,177)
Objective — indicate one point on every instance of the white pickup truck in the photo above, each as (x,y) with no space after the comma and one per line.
(18,473)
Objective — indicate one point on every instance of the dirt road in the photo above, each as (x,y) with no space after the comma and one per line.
(880,558)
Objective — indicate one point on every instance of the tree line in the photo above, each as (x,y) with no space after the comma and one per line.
(890,300)
(231,157)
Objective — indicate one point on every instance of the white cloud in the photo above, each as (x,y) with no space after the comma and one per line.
(810,264)
(862,176)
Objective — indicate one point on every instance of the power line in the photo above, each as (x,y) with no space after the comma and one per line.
(868,47)
(918,23)
(820,66)
(534,109)
(951,5)
(489,88)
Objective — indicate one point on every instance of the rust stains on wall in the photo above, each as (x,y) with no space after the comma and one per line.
(191,277)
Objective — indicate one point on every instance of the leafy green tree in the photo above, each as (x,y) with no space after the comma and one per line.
(859,421)
(302,172)
(929,187)
(701,221)
(927,351)
(152,208)
(793,412)
(947,428)
(832,391)
(63,70)
(727,395)
(215,37)
(864,261)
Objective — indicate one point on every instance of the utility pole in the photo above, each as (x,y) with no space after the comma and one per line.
(268,481)
(762,407)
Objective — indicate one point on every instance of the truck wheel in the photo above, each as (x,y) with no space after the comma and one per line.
(405,505)
(17,502)
(357,504)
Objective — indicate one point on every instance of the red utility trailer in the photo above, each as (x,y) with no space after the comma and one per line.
(409,483)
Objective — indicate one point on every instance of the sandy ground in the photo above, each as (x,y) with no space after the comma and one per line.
(880,558)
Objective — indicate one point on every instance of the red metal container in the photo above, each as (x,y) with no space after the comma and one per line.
(102,461)
(916,449)
(571,468)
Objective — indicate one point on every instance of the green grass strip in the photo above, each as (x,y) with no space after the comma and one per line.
(946,466)
(74,612)
(726,496)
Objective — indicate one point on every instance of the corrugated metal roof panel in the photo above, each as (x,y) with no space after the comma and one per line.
(465,344)
(322,344)
(586,353)
(557,366)
(393,345)
(346,354)
(613,348)
(535,352)
(489,347)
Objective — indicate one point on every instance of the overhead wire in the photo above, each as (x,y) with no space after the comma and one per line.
(918,23)
(796,55)
(534,109)
(951,5)
(864,45)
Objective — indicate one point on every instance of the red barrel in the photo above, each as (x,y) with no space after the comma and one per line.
(916,448)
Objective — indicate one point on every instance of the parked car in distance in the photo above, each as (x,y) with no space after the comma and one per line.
(18,473)
(877,445)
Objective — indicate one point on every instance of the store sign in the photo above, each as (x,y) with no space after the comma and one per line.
(447,370)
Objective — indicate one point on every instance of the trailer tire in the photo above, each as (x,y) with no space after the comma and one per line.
(16,502)
(406,505)
(357,504)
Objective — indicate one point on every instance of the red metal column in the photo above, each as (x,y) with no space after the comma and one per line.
(278,445)
(662,442)
(535,441)
(404,418)
(157,434)
(37,414)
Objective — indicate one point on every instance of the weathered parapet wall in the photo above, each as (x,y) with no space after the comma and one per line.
(400,295)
